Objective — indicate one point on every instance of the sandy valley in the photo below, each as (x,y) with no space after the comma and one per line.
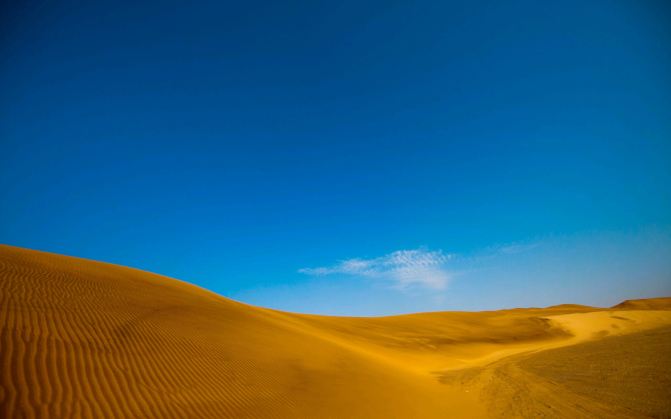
(80,338)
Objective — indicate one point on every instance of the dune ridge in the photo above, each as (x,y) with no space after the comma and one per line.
(80,338)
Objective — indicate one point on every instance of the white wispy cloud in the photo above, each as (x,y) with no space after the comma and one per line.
(404,269)
(515,248)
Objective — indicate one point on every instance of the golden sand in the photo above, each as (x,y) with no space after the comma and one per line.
(89,339)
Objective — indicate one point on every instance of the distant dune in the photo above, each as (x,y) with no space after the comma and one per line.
(89,339)
(647,304)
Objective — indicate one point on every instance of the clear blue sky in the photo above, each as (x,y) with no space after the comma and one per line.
(350,157)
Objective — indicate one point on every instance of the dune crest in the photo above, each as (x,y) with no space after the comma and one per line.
(88,339)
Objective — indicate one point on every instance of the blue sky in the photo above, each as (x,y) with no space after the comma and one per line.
(359,158)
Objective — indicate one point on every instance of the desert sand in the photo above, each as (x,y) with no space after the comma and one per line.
(88,339)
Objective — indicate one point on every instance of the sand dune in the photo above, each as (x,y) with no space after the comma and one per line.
(89,339)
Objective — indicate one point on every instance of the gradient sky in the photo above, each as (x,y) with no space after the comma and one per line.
(346,158)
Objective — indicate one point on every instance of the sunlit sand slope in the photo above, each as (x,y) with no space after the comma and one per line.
(86,339)
(81,338)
